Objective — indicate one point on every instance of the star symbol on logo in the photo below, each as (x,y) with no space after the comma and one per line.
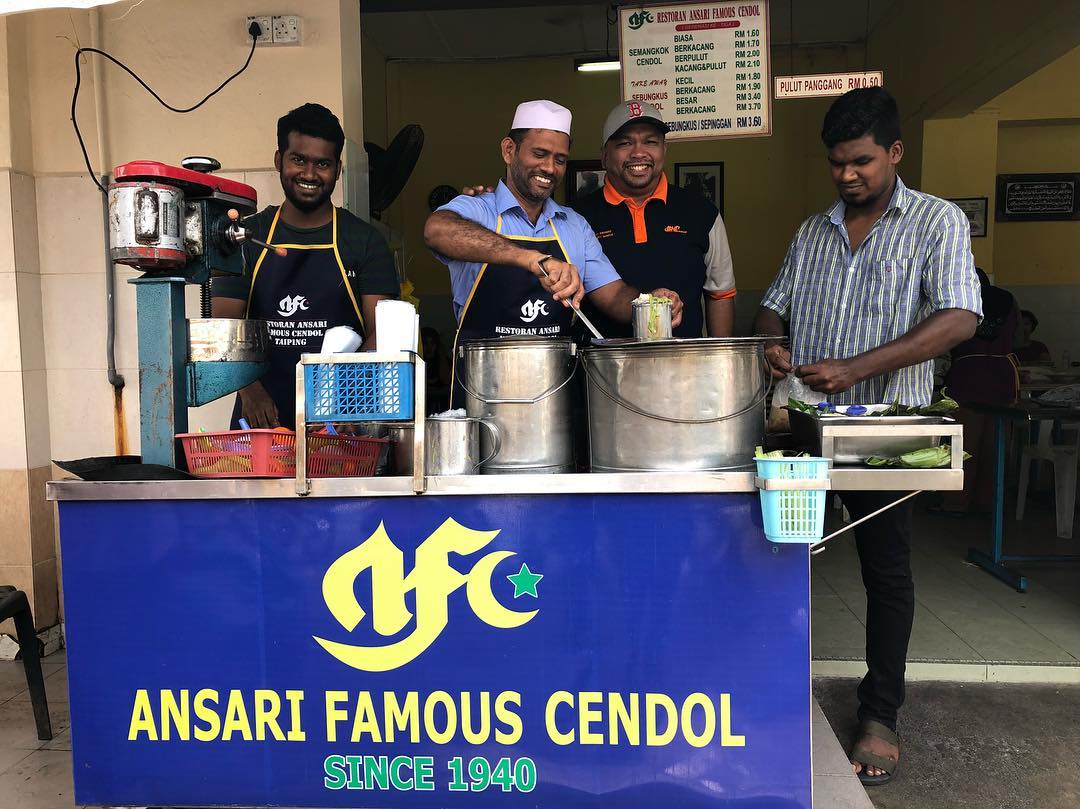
(525,582)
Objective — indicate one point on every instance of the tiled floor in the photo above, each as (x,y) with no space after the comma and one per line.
(37,775)
(968,624)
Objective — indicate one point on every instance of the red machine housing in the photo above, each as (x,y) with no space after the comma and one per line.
(194,184)
(163,217)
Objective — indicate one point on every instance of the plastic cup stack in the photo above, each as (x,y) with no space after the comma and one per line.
(340,340)
(397,326)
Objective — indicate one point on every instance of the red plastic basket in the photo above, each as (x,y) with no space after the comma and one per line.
(272,454)
(342,456)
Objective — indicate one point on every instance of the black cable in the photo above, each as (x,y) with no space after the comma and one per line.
(149,89)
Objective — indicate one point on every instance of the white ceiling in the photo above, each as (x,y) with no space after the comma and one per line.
(437,29)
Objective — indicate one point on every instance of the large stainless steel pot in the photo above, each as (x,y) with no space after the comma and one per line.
(521,384)
(675,405)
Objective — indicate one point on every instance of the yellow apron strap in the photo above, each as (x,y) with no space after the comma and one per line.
(345,277)
(565,252)
(465,308)
(258,263)
(566,255)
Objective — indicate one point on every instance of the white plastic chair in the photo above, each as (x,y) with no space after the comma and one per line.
(1064,458)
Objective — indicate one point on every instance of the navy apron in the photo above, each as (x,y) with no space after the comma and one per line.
(509,301)
(300,296)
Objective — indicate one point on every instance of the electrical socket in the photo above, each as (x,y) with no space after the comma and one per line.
(286,29)
(266,24)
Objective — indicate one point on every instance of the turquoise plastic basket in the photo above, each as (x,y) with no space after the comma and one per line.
(796,515)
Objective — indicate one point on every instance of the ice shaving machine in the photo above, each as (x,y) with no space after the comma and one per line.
(180,226)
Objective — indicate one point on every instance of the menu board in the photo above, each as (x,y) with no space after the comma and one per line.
(1038,197)
(705,66)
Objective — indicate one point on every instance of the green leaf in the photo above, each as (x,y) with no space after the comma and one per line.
(938,457)
(802,407)
(942,407)
(929,458)
(877,460)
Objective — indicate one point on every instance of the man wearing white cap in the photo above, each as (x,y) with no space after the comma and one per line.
(520,263)
(656,233)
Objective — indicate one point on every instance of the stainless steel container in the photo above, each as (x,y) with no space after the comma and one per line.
(652,319)
(226,339)
(676,405)
(451,445)
(865,436)
(377,429)
(522,385)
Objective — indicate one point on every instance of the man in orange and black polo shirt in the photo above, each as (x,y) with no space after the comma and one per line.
(655,234)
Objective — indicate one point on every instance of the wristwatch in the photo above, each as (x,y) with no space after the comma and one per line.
(540,263)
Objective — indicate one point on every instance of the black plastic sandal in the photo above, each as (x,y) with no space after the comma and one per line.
(863,756)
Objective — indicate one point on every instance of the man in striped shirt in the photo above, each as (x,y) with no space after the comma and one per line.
(870,292)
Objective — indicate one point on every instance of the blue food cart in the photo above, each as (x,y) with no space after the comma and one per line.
(604,640)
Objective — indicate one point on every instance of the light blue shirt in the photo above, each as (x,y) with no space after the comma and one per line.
(916,260)
(574,233)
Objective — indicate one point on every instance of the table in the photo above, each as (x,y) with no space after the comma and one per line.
(994,562)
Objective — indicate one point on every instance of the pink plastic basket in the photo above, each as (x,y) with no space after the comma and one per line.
(272,454)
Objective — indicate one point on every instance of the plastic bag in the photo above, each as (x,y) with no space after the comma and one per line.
(790,387)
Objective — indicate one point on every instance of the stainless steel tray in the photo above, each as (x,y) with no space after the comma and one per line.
(860,437)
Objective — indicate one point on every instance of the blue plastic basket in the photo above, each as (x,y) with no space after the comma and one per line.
(794,515)
(358,391)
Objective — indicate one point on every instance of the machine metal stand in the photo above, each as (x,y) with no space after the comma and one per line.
(163,355)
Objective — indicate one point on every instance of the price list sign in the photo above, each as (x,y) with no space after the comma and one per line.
(705,66)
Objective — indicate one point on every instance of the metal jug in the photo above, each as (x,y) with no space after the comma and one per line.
(377,429)
(651,319)
(451,445)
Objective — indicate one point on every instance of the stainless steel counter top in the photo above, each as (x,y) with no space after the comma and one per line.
(843,479)
(402,486)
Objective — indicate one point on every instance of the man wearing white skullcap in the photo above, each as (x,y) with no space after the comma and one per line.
(519,262)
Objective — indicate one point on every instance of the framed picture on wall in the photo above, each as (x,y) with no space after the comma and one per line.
(1038,197)
(582,178)
(974,209)
(706,179)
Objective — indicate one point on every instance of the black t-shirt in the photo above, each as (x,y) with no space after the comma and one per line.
(364,253)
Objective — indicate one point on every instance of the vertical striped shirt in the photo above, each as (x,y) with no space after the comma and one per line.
(916,260)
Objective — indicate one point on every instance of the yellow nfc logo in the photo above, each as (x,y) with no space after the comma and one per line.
(432,579)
